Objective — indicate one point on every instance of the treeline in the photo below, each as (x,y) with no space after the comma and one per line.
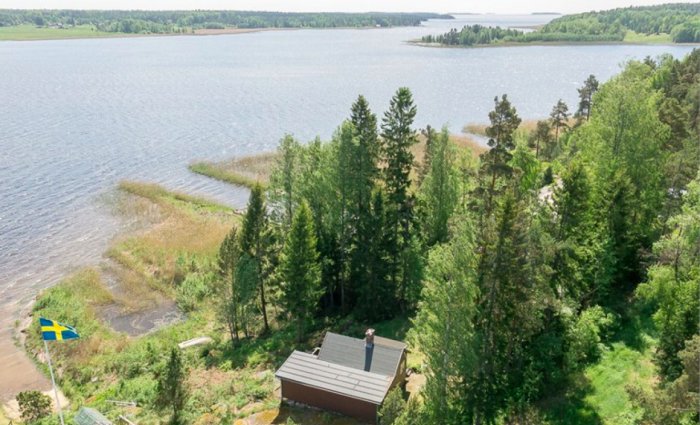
(140,21)
(470,35)
(681,21)
(516,267)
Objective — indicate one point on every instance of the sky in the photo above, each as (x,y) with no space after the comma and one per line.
(443,6)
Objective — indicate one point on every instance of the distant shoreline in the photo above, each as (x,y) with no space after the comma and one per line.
(420,43)
(198,32)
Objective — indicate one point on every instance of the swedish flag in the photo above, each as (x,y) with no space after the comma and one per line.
(54,331)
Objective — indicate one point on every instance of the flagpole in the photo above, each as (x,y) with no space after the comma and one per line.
(53,382)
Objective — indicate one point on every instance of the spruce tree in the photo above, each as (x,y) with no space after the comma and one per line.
(229,307)
(398,137)
(438,195)
(377,296)
(301,274)
(252,229)
(171,388)
(364,159)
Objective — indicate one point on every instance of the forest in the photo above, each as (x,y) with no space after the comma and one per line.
(681,22)
(166,22)
(510,272)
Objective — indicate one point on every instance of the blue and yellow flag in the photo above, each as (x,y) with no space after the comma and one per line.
(54,331)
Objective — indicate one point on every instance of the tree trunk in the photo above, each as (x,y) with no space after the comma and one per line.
(264,307)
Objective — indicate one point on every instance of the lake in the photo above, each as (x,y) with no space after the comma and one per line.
(77,116)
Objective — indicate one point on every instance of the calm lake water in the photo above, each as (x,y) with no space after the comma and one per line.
(77,116)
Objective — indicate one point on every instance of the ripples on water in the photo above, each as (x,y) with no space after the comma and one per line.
(76,116)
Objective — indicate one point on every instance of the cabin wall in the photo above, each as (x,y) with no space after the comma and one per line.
(400,375)
(329,401)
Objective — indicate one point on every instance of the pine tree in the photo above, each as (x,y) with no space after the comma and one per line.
(495,163)
(541,138)
(300,270)
(585,94)
(171,387)
(559,118)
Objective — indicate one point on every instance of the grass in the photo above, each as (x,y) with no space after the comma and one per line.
(526,126)
(161,196)
(3,418)
(226,383)
(31,32)
(184,239)
(634,37)
(247,171)
(599,394)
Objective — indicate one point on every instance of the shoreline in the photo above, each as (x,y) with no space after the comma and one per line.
(202,32)
(196,33)
(419,43)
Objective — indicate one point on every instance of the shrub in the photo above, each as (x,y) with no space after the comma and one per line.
(193,289)
(393,406)
(585,336)
(33,405)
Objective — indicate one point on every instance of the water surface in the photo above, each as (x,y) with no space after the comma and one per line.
(77,116)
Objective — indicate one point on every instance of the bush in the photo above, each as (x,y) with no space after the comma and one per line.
(193,289)
(394,404)
(585,336)
(33,405)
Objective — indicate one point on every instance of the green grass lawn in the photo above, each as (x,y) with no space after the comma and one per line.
(31,32)
(634,37)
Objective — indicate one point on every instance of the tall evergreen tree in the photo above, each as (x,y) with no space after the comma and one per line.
(430,136)
(283,180)
(252,229)
(512,276)
(171,390)
(300,270)
(540,139)
(559,118)
(495,163)
(438,195)
(398,137)
(444,327)
(366,237)
(377,297)
(229,256)
(585,94)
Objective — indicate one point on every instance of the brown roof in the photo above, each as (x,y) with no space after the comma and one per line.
(307,369)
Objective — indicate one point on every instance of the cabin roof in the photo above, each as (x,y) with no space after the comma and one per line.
(383,358)
(309,370)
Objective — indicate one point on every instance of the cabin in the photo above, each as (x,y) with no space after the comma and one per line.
(347,375)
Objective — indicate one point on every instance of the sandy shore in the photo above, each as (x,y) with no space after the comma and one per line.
(18,373)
